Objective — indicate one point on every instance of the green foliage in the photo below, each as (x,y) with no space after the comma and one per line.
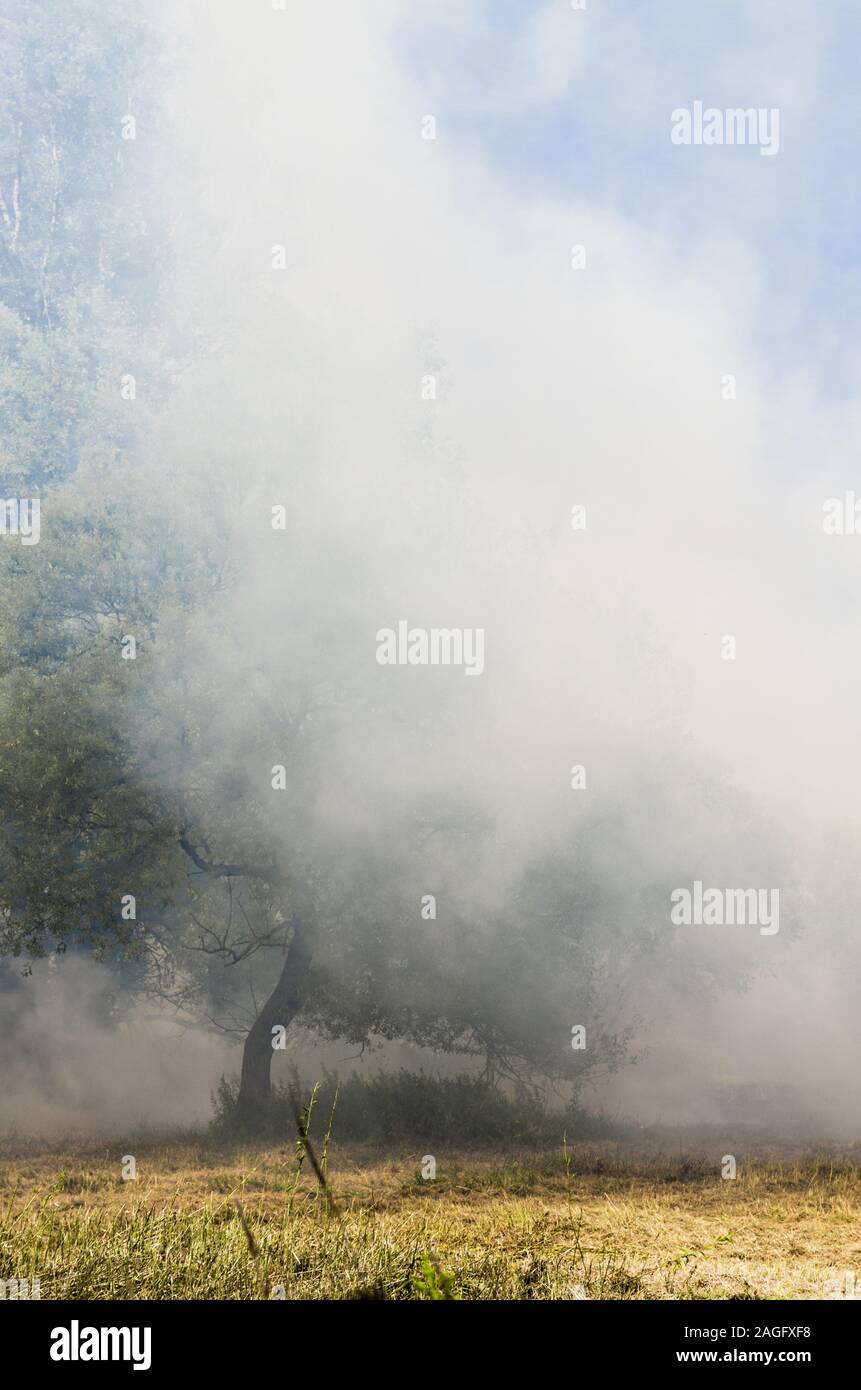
(434,1283)
(73,196)
(411,1107)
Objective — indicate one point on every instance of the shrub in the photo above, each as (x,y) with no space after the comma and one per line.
(405,1106)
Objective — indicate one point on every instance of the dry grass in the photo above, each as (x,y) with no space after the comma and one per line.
(611,1221)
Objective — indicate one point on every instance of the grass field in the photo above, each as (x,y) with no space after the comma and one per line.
(599,1221)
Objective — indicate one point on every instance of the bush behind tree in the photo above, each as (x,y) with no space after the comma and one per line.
(407,1107)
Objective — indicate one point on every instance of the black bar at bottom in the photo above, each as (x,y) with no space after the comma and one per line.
(86,1339)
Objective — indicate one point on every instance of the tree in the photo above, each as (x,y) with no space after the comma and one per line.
(118,783)
(72,199)
(173,795)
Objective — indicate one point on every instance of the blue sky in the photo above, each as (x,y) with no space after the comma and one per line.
(590,120)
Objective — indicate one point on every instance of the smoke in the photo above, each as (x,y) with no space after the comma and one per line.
(780,1058)
(406,259)
(72,1067)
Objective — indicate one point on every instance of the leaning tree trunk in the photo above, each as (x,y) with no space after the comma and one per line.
(282,1006)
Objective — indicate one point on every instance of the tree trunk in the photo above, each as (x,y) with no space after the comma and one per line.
(282,1006)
